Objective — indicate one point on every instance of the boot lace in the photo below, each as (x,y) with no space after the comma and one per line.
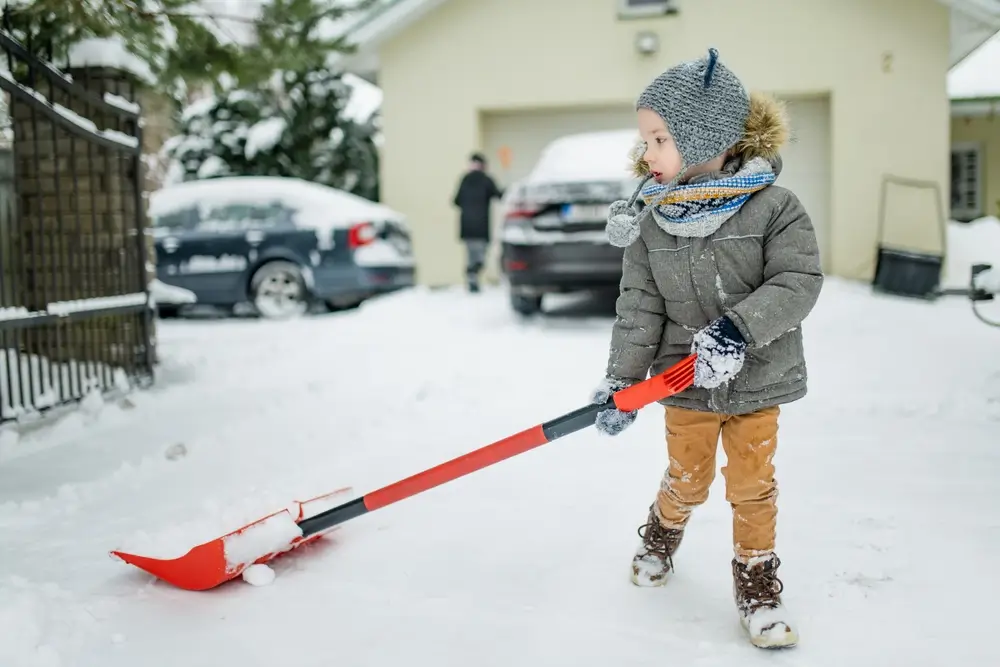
(658,540)
(759,585)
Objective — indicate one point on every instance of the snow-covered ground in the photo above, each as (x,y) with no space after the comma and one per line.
(889,518)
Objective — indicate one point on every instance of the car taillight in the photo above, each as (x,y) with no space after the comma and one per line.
(519,212)
(361,234)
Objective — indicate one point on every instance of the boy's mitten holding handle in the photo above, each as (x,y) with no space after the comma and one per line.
(612,421)
(720,348)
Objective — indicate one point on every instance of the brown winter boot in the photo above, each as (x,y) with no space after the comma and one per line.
(757,590)
(653,559)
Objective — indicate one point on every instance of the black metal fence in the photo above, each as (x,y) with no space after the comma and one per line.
(74,301)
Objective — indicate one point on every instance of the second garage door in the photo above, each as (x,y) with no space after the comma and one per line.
(806,163)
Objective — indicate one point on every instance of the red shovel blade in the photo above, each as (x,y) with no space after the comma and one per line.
(217,561)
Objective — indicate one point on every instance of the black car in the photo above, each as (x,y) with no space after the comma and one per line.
(279,244)
(553,237)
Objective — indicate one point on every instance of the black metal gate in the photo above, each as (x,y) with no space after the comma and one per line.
(75,314)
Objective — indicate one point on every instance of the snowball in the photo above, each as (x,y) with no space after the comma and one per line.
(258,575)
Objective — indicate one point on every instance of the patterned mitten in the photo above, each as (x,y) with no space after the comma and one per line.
(720,348)
(612,421)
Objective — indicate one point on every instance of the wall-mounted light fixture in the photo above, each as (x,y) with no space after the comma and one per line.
(647,42)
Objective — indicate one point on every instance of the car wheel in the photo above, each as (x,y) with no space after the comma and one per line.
(526,304)
(278,290)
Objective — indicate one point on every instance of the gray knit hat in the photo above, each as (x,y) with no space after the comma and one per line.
(705,107)
(703,104)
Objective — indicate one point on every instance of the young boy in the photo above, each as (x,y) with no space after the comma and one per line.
(722,263)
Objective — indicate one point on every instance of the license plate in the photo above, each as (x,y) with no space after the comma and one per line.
(585,212)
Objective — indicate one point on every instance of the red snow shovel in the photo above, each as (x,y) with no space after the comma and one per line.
(215,562)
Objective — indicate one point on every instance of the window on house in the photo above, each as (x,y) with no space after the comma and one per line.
(966,182)
(639,8)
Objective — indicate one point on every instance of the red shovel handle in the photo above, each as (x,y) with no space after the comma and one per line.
(674,380)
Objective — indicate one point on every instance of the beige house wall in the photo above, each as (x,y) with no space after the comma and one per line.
(883,64)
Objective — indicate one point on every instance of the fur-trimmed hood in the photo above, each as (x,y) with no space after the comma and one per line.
(766,132)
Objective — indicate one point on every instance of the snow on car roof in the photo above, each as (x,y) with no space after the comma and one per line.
(317,206)
(588,156)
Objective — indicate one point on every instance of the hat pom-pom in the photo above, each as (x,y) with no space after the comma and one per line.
(623,225)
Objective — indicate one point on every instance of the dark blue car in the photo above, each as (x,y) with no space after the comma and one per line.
(279,244)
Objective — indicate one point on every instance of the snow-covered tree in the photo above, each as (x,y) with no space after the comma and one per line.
(184,42)
(170,42)
(274,106)
(213,136)
(294,125)
(285,115)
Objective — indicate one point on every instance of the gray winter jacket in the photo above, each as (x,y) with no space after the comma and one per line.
(761,268)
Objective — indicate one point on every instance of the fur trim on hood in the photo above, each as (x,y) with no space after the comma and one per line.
(766,132)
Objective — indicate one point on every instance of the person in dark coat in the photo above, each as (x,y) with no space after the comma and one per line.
(476,192)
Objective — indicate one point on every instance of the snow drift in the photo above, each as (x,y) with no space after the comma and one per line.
(976,242)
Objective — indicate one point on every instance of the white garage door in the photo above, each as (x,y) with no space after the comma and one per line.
(522,135)
(806,163)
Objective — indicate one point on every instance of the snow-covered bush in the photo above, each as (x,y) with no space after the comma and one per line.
(294,124)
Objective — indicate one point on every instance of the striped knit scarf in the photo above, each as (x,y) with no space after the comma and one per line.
(699,209)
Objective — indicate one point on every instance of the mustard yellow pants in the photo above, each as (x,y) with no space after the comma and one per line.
(749,442)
